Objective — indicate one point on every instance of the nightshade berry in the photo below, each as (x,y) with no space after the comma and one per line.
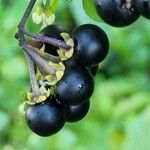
(45,119)
(52,31)
(76,86)
(118,13)
(143,7)
(77,112)
(91,44)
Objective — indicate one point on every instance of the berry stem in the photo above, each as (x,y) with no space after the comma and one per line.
(37,59)
(33,81)
(26,14)
(46,56)
(52,41)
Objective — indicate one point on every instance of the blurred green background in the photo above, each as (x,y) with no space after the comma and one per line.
(119,117)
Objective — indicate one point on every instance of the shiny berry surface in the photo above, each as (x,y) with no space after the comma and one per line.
(76,86)
(45,119)
(143,7)
(118,13)
(91,44)
(77,112)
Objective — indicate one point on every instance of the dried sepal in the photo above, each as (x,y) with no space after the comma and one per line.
(52,80)
(42,49)
(66,54)
(60,68)
(33,99)
(22,108)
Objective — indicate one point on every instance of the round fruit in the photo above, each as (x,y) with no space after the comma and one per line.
(78,112)
(93,69)
(118,13)
(76,86)
(52,31)
(91,44)
(45,119)
(143,7)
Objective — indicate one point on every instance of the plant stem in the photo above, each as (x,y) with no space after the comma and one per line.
(26,14)
(33,81)
(46,56)
(52,41)
(37,59)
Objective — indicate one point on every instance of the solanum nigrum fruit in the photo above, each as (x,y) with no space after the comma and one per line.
(76,86)
(45,119)
(52,31)
(118,13)
(77,112)
(143,7)
(93,69)
(91,44)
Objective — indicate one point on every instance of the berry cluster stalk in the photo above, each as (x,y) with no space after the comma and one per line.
(33,56)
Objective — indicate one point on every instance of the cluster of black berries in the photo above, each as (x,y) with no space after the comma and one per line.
(71,99)
(120,13)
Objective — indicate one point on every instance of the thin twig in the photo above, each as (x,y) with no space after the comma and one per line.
(42,38)
(27,13)
(38,60)
(33,81)
(46,56)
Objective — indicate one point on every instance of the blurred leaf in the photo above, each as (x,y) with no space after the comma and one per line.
(138,132)
(90,9)
(4,118)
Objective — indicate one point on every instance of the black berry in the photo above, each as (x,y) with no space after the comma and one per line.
(117,13)
(76,86)
(91,44)
(52,31)
(143,7)
(77,112)
(45,119)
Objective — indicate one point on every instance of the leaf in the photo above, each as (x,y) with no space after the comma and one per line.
(138,132)
(54,4)
(90,9)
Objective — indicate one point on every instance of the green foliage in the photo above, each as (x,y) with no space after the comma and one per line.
(89,8)
(120,107)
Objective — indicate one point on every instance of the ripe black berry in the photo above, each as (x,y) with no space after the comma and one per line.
(93,69)
(45,119)
(117,13)
(78,112)
(143,7)
(52,31)
(91,44)
(76,86)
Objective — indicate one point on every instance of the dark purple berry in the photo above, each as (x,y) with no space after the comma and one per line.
(45,119)
(77,112)
(91,44)
(118,13)
(76,86)
(143,7)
